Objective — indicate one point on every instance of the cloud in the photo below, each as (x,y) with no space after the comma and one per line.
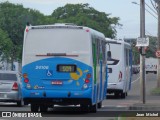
(47,2)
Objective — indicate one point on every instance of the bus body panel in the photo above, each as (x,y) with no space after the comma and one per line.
(46,77)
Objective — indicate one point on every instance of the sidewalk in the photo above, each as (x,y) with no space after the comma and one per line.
(152,105)
(152,102)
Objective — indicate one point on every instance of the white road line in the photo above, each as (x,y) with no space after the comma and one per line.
(136,79)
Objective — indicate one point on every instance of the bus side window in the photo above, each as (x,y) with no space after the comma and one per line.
(127,56)
(98,50)
(104,52)
(94,50)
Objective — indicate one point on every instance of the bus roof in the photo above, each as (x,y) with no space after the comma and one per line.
(109,40)
(66,26)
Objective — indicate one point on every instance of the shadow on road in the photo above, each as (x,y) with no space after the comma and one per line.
(112,97)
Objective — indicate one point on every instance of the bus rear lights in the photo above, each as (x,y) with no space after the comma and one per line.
(88,75)
(87,80)
(27,29)
(25,75)
(26,80)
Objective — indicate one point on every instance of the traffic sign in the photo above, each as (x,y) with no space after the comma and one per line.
(158,53)
(141,42)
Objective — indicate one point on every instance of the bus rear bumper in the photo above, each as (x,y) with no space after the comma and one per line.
(58,101)
(115,87)
(57,96)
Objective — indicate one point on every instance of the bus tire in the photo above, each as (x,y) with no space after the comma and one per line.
(93,108)
(126,94)
(84,108)
(34,107)
(100,104)
(43,108)
(116,94)
(123,95)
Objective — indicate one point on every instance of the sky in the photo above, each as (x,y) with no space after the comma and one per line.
(128,13)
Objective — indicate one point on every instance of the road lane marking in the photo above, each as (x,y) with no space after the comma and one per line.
(136,80)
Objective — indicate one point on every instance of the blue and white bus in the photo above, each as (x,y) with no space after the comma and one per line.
(63,64)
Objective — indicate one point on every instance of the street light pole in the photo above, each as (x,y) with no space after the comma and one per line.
(158,44)
(142,56)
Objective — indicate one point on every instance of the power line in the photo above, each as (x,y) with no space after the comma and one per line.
(147,10)
(149,33)
(151,8)
(151,14)
(154,6)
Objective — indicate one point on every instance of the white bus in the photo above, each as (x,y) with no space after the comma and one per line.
(119,59)
(63,64)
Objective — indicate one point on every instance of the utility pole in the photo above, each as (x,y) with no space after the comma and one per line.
(142,55)
(158,44)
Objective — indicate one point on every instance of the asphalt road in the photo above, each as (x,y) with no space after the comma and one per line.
(110,104)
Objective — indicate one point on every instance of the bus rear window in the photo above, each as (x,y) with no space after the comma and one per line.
(114,54)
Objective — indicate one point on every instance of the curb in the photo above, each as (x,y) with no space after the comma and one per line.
(151,107)
(118,107)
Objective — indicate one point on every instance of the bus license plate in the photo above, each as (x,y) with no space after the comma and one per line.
(57,82)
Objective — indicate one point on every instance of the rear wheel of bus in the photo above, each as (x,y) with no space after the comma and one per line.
(93,108)
(123,95)
(116,94)
(100,104)
(43,108)
(84,108)
(34,107)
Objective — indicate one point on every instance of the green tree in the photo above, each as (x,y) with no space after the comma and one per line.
(13,19)
(6,45)
(152,47)
(84,15)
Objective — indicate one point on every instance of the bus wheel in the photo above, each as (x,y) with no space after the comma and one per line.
(84,108)
(93,108)
(116,94)
(123,95)
(100,104)
(43,108)
(34,107)
(126,94)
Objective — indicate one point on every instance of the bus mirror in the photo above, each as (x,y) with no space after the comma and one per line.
(109,56)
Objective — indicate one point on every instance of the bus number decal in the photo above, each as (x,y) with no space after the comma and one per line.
(42,67)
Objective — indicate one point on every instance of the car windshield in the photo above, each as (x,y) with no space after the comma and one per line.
(8,76)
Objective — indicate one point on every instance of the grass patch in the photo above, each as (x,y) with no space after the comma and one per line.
(155,91)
